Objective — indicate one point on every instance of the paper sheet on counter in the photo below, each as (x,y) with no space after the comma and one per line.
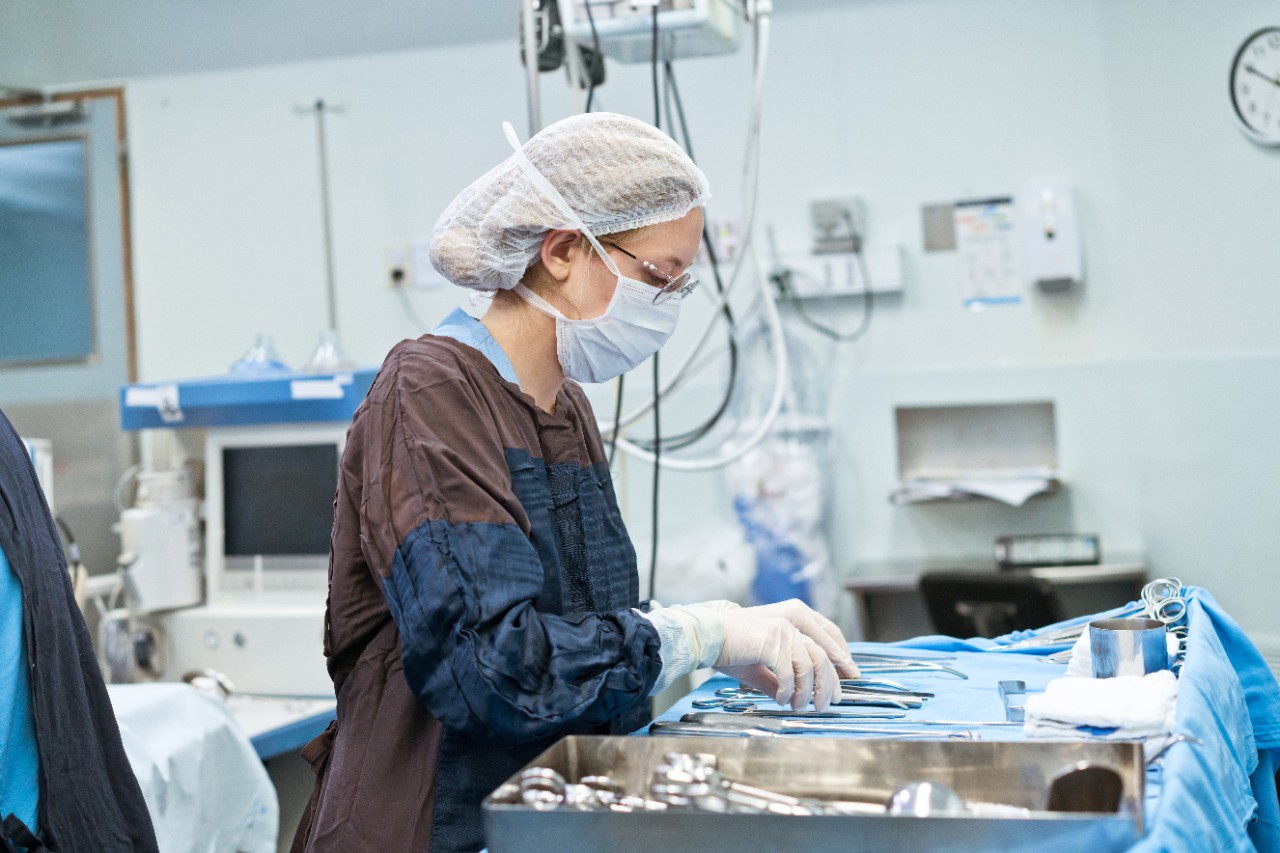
(1011,490)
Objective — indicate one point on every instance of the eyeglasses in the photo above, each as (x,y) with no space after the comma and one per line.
(681,285)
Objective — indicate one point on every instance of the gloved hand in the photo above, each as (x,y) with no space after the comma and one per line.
(786,650)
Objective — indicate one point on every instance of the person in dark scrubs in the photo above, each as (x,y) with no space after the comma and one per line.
(65,782)
(483,596)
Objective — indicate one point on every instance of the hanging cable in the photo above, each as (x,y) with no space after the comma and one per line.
(617,413)
(591,91)
(695,434)
(657,381)
(772,316)
(868,298)
(750,182)
(657,469)
(653,62)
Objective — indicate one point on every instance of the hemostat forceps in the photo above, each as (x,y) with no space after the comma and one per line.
(875,664)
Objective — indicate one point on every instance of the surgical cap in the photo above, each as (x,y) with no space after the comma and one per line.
(616,172)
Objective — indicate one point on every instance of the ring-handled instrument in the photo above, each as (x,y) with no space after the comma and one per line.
(880,686)
(752,709)
(1161,599)
(735,725)
(875,698)
(887,718)
(724,704)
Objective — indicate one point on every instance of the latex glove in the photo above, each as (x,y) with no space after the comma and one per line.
(774,656)
(818,628)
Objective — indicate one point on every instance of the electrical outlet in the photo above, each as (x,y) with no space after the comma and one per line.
(397,266)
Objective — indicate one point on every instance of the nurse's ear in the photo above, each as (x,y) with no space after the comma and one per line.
(559,249)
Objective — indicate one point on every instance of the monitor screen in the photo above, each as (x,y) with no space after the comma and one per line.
(278,500)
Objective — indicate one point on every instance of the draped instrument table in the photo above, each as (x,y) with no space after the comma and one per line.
(1218,795)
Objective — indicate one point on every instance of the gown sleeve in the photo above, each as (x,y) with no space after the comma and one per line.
(442,528)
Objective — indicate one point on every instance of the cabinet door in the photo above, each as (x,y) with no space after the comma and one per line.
(65,301)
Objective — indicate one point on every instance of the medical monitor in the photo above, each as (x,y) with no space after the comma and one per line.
(269,510)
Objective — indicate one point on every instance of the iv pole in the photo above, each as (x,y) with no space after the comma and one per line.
(329,356)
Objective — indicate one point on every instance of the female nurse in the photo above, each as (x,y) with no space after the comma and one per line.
(483,594)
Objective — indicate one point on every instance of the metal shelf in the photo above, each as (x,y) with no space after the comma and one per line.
(239,401)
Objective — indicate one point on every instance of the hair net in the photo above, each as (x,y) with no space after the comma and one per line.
(616,172)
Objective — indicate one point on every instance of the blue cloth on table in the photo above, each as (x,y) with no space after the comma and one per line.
(1219,796)
(1222,795)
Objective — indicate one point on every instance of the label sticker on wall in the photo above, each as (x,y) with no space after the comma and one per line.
(990,267)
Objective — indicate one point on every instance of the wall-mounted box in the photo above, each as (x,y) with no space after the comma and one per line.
(879,271)
(1001,451)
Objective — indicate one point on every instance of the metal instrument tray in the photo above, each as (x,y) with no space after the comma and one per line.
(1016,773)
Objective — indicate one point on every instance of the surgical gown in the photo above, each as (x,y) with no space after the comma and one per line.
(481,597)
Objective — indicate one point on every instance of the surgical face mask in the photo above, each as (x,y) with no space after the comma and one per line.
(632,327)
(630,330)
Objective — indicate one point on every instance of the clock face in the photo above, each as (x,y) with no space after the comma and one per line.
(1255,86)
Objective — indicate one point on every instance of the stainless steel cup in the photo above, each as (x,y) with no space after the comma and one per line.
(1127,647)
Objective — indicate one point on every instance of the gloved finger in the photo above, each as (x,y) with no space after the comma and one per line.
(781,664)
(825,681)
(826,633)
(802,663)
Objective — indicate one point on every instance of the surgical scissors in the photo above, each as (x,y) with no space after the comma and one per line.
(1161,599)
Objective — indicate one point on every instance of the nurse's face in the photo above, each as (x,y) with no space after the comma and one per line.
(656,256)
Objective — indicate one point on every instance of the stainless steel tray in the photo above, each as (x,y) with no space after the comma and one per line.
(1016,773)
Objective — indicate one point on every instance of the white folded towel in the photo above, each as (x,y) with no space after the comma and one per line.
(1125,707)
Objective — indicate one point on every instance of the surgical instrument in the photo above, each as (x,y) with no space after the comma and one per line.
(886,699)
(850,685)
(1013,695)
(723,703)
(1161,599)
(801,716)
(882,684)
(908,665)
(753,710)
(772,728)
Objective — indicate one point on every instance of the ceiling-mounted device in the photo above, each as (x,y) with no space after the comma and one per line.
(686,28)
(549,43)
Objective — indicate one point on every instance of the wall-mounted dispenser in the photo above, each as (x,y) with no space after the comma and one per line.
(1052,261)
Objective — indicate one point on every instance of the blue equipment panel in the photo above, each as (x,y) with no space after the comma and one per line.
(233,400)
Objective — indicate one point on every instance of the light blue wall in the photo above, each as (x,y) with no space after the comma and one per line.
(1162,369)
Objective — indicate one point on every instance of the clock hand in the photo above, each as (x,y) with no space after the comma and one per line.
(1275,81)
